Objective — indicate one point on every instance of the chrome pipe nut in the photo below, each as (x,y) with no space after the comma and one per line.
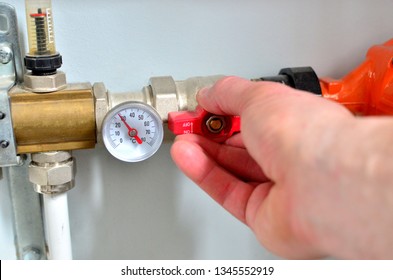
(52,174)
(43,84)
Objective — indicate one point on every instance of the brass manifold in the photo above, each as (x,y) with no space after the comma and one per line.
(61,120)
(71,118)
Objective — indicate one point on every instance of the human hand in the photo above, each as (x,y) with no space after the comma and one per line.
(287,175)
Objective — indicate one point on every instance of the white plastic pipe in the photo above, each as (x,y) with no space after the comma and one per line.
(57,225)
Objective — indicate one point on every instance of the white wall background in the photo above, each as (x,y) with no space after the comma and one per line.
(150,210)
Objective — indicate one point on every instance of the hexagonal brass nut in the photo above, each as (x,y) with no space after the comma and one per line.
(101,98)
(42,84)
(165,95)
(56,174)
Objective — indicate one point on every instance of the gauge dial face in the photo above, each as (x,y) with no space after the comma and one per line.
(132,131)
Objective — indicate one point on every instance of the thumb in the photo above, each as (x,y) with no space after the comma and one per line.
(226,97)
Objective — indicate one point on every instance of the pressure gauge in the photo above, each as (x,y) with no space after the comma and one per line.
(132,131)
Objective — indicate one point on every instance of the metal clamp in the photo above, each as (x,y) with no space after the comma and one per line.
(11,71)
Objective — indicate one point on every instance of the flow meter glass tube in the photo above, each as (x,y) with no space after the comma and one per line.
(40,28)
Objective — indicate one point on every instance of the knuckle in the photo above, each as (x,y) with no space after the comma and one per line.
(225,82)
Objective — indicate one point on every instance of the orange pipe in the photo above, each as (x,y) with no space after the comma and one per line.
(368,90)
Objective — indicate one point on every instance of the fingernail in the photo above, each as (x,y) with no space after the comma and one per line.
(201,92)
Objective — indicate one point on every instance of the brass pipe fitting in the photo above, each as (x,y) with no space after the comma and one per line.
(57,121)
(167,95)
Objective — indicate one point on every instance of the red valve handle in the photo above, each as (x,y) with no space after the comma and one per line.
(215,127)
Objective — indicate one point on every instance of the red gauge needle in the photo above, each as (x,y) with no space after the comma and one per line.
(132,132)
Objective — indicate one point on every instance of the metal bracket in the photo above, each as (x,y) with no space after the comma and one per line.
(11,71)
(27,217)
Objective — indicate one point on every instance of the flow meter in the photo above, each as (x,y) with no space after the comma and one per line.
(42,59)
